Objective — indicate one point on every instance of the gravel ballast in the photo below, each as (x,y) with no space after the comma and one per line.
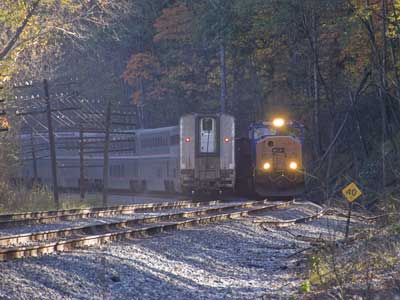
(229,260)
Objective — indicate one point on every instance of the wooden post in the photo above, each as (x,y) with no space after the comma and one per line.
(34,162)
(81,165)
(52,144)
(106,154)
(348,221)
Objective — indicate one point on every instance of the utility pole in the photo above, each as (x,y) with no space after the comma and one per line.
(106,154)
(52,144)
(34,162)
(81,164)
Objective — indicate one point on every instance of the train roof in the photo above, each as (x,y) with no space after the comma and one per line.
(75,133)
(152,130)
(206,114)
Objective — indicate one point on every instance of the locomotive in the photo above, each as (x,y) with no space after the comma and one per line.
(270,160)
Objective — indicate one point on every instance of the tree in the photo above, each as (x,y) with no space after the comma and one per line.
(34,28)
(142,72)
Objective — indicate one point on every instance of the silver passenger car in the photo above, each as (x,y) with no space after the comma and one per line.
(207,152)
(149,161)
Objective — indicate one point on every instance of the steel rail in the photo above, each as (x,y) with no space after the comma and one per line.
(88,229)
(45,213)
(46,217)
(88,235)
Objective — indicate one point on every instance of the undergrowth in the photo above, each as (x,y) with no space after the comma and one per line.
(365,267)
(38,198)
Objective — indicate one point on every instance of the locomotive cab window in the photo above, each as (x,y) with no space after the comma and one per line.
(263,132)
(208,135)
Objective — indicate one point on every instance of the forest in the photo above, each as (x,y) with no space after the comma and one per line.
(331,65)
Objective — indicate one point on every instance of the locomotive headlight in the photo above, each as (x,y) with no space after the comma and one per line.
(267,166)
(293,165)
(278,122)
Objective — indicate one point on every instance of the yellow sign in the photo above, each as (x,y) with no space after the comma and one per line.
(351,192)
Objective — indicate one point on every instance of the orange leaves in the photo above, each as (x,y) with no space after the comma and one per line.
(173,24)
(143,72)
(141,66)
(158,92)
(4,125)
(136,97)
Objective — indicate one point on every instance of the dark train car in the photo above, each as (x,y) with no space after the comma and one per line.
(270,161)
(244,172)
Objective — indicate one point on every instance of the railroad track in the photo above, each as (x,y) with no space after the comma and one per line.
(47,217)
(46,242)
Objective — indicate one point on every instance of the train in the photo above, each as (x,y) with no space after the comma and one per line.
(194,157)
(270,159)
(200,155)
(207,153)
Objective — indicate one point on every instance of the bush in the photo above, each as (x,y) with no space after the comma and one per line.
(17,199)
(22,199)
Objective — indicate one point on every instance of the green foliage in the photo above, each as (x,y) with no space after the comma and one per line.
(395,228)
(358,265)
(305,287)
(319,272)
(12,200)
(38,198)
(30,30)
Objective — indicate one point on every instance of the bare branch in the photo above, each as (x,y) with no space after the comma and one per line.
(11,43)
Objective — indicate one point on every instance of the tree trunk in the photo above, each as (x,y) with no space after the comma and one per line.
(223,77)
(52,142)
(316,86)
(140,105)
(260,98)
(358,124)
(394,46)
(382,94)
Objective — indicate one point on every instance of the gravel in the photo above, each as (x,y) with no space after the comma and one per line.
(99,220)
(229,260)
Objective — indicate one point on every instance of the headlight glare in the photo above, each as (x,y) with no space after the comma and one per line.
(267,166)
(278,122)
(293,165)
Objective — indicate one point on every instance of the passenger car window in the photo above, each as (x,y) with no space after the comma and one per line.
(207,124)
(208,135)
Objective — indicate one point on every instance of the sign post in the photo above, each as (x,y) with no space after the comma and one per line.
(351,193)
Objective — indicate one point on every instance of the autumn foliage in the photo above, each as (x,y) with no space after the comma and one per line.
(309,58)
(174,24)
(141,66)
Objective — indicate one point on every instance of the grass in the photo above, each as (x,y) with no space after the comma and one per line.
(368,265)
(39,198)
